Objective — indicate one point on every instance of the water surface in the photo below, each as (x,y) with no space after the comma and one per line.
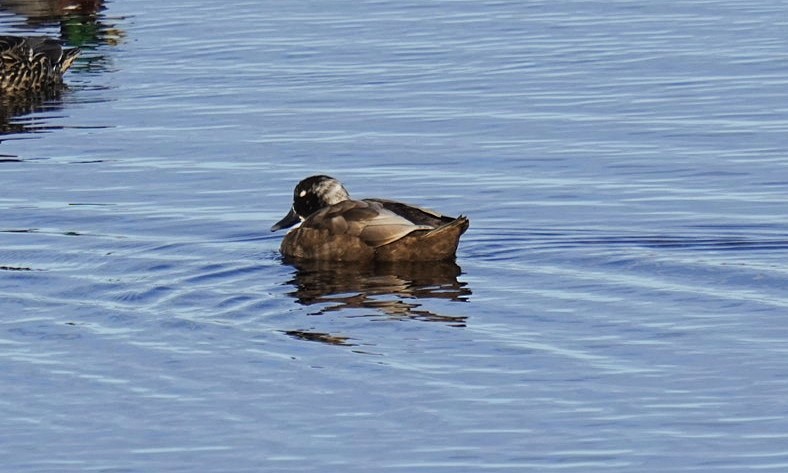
(617,304)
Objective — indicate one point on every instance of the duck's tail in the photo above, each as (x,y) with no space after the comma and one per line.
(459,224)
(443,241)
(69,55)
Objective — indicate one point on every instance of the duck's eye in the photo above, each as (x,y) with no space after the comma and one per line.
(302,193)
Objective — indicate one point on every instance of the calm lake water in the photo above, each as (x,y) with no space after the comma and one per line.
(619,302)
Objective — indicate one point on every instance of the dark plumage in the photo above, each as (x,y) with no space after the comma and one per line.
(32,64)
(336,228)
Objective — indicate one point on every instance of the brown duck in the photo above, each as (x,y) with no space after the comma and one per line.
(32,64)
(336,228)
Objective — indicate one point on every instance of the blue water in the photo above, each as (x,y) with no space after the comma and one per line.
(619,302)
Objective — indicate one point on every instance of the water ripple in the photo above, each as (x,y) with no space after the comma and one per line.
(617,303)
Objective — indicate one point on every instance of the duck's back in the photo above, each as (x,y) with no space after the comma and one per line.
(417,215)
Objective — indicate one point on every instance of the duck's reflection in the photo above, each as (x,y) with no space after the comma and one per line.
(322,337)
(392,290)
(80,21)
(42,10)
(22,113)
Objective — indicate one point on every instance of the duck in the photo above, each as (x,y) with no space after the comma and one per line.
(32,64)
(334,227)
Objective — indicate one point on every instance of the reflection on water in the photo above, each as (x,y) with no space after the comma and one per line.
(393,290)
(320,337)
(21,113)
(80,22)
(42,11)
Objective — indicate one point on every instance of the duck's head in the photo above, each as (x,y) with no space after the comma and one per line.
(311,195)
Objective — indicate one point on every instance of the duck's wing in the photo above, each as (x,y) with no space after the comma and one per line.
(368,220)
(387,227)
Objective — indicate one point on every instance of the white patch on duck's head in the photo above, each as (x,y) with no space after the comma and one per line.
(331,191)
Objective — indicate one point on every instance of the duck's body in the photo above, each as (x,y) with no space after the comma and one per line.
(336,228)
(32,64)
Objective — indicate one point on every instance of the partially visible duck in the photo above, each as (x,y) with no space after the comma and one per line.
(336,228)
(32,64)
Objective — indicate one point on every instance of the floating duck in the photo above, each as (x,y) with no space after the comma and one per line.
(32,64)
(336,228)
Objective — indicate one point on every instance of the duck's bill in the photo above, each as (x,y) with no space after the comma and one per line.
(290,219)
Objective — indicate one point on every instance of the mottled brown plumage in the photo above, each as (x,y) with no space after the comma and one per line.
(32,64)
(337,228)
